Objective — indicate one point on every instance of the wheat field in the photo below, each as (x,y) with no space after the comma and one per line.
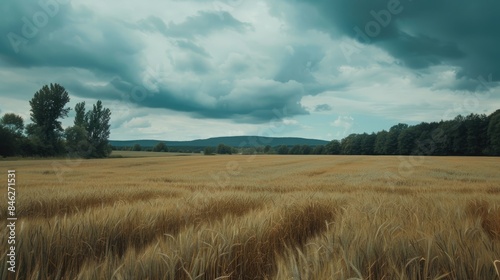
(255,217)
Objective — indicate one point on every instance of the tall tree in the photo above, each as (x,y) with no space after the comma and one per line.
(13,122)
(406,140)
(351,145)
(455,137)
(476,127)
(47,107)
(80,114)
(77,142)
(368,143)
(380,147)
(391,143)
(458,136)
(97,126)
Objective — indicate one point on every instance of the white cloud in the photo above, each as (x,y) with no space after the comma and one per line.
(344,122)
(290,122)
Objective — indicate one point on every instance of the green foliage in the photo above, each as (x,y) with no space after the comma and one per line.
(11,135)
(476,127)
(319,150)
(47,107)
(351,145)
(470,135)
(282,150)
(77,143)
(209,151)
(249,151)
(391,144)
(380,140)
(89,136)
(368,143)
(296,150)
(494,133)
(333,148)
(80,114)
(137,148)
(8,144)
(160,147)
(97,125)
(223,149)
(358,144)
(268,149)
(13,122)
(406,140)
(305,150)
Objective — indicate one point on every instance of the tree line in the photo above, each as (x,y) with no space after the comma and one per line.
(472,135)
(44,136)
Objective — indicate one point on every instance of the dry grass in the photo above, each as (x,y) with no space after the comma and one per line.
(255,217)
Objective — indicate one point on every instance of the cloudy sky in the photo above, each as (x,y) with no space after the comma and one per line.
(189,69)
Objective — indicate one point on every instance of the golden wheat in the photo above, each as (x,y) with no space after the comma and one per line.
(255,217)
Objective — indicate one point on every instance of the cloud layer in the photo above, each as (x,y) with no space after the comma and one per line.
(249,63)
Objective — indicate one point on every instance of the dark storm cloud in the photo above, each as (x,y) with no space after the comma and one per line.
(203,23)
(247,101)
(252,101)
(49,36)
(108,50)
(299,64)
(420,34)
(260,98)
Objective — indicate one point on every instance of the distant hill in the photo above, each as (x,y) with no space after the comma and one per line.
(234,141)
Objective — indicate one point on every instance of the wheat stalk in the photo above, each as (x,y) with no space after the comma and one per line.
(496,263)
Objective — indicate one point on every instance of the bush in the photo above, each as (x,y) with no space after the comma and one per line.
(209,151)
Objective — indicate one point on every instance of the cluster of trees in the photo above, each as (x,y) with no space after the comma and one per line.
(472,135)
(44,137)
(332,148)
(160,147)
(221,149)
